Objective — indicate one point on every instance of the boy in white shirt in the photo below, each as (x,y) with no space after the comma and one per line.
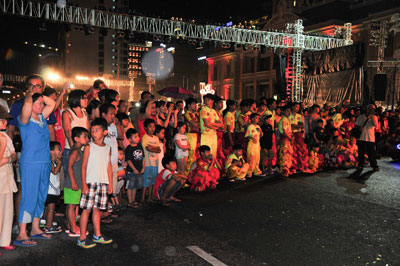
(97,176)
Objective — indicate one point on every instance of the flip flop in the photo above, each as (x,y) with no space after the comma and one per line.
(40,236)
(20,243)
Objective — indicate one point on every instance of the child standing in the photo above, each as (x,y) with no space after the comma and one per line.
(73,181)
(182,147)
(121,173)
(54,187)
(97,174)
(151,146)
(254,133)
(160,133)
(134,155)
(266,143)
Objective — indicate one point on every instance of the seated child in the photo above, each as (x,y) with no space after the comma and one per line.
(206,172)
(236,168)
(54,187)
(168,182)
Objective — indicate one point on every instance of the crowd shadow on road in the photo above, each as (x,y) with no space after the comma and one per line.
(355,182)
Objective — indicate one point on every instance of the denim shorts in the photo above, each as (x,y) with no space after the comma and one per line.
(163,186)
(134,181)
(149,175)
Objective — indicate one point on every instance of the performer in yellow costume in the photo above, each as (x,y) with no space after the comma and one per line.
(235,167)
(286,160)
(209,124)
(254,133)
(192,121)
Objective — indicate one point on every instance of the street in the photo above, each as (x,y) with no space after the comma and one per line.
(321,219)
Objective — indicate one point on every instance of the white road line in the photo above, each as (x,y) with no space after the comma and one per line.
(204,255)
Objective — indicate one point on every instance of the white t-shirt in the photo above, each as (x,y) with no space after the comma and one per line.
(179,153)
(368,131)
(111,140)
(54,184)
(97,165)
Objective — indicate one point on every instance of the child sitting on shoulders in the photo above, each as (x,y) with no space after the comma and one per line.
(54,187)
(168,182)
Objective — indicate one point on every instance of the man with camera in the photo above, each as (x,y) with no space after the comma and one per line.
(366,142)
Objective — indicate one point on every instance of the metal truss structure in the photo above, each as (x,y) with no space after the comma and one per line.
(297,40)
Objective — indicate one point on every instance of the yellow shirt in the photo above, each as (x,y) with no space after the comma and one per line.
(207,113)
(295,120)
(254,132)
(273,118)
(230,122)
(285,127)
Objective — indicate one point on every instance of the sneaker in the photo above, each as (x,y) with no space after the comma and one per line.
(85,243)
(52,230)
(102,239)
(240,179)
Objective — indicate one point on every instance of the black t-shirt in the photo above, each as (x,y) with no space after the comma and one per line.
(319,133)
(135,155)
(266,139)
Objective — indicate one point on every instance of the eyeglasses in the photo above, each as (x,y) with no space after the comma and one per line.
(35,86)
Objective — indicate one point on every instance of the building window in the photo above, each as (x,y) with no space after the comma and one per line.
(101,61)
(248,66)
(101,69)
(215,71)
(264,64)
(101,54)
(101,46)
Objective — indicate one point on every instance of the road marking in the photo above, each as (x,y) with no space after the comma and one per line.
(204,255)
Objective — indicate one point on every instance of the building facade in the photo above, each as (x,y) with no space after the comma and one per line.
(251,73)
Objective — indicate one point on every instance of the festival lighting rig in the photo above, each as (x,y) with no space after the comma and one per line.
(294,37)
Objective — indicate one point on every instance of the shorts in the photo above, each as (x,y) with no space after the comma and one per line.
(96,197)
(149,175)
(161,189)
(135,181)
(120,185)
(72,196)
(52,199)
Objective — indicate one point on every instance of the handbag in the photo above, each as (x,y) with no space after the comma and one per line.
(357,130)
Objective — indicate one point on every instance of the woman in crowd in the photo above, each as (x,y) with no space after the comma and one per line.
(35,165)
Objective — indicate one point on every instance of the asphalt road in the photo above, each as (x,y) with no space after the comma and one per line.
(321,219)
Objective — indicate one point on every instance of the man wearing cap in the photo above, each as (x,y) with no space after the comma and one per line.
(209,124)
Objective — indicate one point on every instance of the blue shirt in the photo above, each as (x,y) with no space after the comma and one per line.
(35,138)
(16,109)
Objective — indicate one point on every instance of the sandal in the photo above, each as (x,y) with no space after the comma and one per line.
(21,243)
(107,220)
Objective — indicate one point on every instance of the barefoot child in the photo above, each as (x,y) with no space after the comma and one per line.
(97,174)
(134,155)
(182,147)
(168,182)
(54,187)
(73,181)
(151,145)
